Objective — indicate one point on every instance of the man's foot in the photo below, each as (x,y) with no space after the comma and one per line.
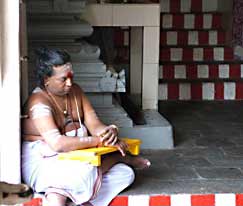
(139,162)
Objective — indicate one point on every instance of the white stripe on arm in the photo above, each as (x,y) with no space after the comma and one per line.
(52,135)
(40,110)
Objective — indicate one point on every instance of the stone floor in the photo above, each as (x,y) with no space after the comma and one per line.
(208,153)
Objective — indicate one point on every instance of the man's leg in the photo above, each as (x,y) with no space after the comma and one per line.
(119,177)
(54,199)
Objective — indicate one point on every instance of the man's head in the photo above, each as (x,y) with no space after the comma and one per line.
(47,59)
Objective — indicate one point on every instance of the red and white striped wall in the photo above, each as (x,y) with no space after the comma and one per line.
(195,62)
(188,54)
(192,38)
(121,37)
(191,21)
(121,44)
(201,71)
(170,200)
(180,200)
(183,6)
(201,91)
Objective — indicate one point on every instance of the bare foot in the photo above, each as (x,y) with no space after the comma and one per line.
(139,162)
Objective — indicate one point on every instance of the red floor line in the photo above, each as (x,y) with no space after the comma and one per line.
(165,200)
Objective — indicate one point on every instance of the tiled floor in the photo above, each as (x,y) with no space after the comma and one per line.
(208,153)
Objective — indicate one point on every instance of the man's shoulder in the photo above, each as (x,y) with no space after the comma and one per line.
(38,97)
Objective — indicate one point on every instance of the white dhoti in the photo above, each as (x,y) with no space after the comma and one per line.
(81,182)
(113,182)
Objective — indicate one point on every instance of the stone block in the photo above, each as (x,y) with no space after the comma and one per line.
(155,134)
(94,68)
(56,6)
(108,84)
(100,100)
(88,85)
(58,29)
(86,52)
(114,114)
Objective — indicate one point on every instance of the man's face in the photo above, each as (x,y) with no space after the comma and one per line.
(62,79)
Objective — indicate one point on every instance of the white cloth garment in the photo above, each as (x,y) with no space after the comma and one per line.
(81,182)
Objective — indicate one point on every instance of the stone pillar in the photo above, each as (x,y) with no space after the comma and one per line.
(150,67)
(136,61)
(9,92)
(23,53)
(59,24)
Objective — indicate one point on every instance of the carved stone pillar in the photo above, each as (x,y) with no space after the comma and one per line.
(59,24)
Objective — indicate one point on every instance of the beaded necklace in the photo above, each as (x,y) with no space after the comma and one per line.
(65,111)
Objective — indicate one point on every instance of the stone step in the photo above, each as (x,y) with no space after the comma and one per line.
(94,67)
(123,122)
(99,100)
(86,52)
(198,54)
(156,133)
(111,111)
(114,114)
(96,84)
(192,38)
(53,7)
(201,71)
(47,29)
(100,84)
(191,21)
(80,52)
(175,6)
(156,128)
(201,90)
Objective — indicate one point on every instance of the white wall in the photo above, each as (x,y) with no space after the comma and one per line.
(9,92)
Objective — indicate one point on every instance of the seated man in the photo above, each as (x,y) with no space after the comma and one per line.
(61,119)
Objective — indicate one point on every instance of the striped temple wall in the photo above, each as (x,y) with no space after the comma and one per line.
(196,60)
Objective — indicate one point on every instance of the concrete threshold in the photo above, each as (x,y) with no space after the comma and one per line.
(156,133)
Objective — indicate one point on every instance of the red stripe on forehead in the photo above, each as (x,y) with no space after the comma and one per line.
(70,74)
